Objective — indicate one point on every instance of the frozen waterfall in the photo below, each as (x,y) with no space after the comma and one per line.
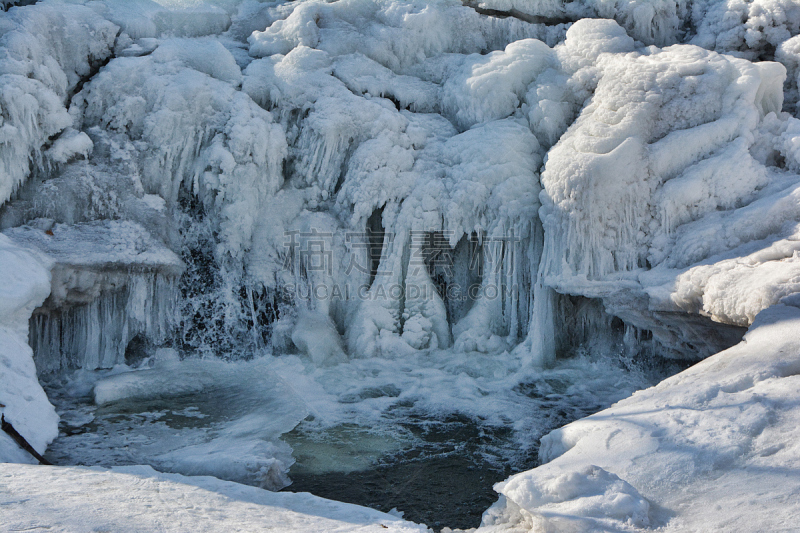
(405,213)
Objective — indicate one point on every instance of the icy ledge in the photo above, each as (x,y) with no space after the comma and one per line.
(140,499)
(714,448)
(111,281)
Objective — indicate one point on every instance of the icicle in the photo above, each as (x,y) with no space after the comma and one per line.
(96,335)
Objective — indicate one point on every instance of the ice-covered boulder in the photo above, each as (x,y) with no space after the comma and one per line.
(663,172)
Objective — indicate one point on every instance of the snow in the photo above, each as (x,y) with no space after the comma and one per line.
(23,403)
(100,244)
(141,499)
(748,28)
(706,448)
(70,144)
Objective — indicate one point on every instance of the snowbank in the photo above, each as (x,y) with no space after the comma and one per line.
(26,283)
(141,499)
(712,448)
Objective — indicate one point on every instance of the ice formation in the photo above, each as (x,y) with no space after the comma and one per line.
(111,282)
(392,180)
(435,143)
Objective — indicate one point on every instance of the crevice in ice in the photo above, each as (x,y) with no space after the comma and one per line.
(376,236)
(517,14)
(95,65)
(5,5)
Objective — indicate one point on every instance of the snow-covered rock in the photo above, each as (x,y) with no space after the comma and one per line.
(650,198)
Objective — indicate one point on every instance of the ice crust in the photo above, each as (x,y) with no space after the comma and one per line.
(239,425)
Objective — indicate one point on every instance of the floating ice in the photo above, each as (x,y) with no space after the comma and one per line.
(205,417)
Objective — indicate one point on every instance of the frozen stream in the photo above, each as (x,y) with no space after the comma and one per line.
(427,434)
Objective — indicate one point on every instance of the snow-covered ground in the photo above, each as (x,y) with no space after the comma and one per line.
(310,189)
(76,499)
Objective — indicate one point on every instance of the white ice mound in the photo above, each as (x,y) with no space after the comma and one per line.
(584,499)
(315,335)
(708,446)
(101,245)
(25,284)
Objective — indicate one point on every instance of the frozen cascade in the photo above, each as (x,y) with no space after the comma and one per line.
(341,133)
